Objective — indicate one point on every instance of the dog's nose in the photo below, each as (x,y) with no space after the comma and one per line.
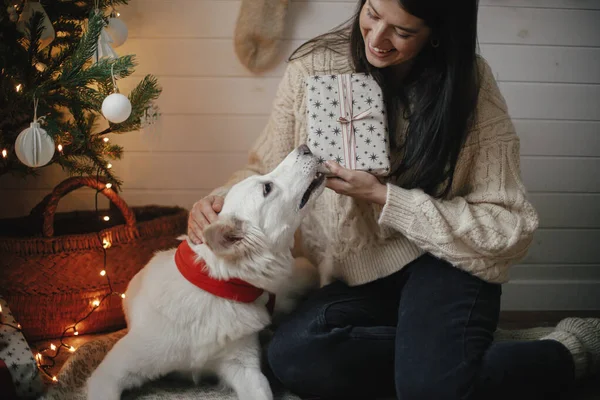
(304,150)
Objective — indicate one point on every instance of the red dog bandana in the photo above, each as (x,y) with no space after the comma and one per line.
(232,289)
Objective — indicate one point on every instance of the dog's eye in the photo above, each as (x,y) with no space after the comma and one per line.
(267,187)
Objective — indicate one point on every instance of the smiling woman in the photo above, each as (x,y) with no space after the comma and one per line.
(417,258)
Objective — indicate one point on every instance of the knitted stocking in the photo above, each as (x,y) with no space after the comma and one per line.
(258,32)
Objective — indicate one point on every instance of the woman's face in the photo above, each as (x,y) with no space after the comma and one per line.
(392,36)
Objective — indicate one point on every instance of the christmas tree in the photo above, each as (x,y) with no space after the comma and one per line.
(57,63)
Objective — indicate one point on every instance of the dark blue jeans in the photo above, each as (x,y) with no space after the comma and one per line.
(425,332)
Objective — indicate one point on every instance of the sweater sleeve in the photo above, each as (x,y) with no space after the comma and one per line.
(490,224)
(277,139)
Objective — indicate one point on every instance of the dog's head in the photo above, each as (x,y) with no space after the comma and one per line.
(263,211)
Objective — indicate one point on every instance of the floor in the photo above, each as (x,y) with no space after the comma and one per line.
(590,390)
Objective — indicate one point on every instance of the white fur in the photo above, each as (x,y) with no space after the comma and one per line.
(175,327)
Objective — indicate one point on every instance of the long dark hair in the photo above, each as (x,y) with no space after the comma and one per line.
(438,96)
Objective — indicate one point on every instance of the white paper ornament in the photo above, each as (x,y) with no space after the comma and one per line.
(31,7)
(116,108)
(117,30)
(105,49)
(34,147)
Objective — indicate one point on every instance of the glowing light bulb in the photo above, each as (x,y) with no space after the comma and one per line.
(106,140)
(102,273)
(4,153)
(52,346)
(38,356)
(72,349)
(54,379)
(122,295)
(108,166)
(76,333)
(18,87)
(108,185)
(60,147)
(0,308)
(105,243)
(96,303)
(118,14)
(18,326)
(106,218)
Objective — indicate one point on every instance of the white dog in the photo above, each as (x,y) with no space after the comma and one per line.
(178,321)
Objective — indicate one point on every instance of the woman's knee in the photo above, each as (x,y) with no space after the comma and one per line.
(296,361)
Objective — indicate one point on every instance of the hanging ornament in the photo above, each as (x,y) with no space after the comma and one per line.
(116,107)
(31,7)
(105,42)
(34,147)
(116,29)
(104,49)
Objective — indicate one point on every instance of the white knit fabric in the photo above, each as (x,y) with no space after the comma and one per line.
(485,226)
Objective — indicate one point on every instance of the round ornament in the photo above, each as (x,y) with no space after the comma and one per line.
(34,147)
(116,108)
(117,31)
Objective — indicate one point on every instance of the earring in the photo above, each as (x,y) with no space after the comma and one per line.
(435,43)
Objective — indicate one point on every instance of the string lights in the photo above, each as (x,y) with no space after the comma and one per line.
(45,358)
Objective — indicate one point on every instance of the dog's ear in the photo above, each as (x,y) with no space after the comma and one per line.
(230,237)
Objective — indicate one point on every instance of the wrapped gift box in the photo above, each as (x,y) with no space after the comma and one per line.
(19,374)
(347,122)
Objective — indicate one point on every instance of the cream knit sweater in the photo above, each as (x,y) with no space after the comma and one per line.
(483,227)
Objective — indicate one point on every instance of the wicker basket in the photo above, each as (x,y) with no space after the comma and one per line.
(50,280)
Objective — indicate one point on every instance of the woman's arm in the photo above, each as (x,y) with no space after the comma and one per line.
(490,223)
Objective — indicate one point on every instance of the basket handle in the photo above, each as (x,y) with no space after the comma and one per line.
(50,203)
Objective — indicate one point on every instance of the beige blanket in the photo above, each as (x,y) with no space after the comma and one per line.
(76,370)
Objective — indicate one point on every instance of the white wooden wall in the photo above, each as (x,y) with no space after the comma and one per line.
(545,54)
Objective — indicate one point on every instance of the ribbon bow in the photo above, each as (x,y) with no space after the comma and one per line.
(347,118)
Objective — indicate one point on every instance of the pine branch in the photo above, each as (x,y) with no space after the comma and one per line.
(86,47)
(70,87)
(141,98)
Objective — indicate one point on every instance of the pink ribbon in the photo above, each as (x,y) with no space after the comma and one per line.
(347,118)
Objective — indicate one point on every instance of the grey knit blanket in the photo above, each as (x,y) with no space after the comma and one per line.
(74,373)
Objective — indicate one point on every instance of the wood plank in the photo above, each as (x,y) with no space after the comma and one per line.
(230,96)
(194,95)
(529,295)
(564,174)
(558,138)
(216,58)
(560,272)
(564,246)
(529,63)
(203,133)
(552,101)
(216,19)
(164,170)
(567,210)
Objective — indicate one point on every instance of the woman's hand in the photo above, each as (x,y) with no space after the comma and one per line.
(358,184)
(204,212)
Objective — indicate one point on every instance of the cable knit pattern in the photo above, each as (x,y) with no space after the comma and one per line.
(484,226)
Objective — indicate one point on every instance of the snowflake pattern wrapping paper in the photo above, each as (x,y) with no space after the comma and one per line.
(19,375)
(347,122)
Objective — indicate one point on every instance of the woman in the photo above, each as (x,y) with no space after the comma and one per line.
(420,258)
